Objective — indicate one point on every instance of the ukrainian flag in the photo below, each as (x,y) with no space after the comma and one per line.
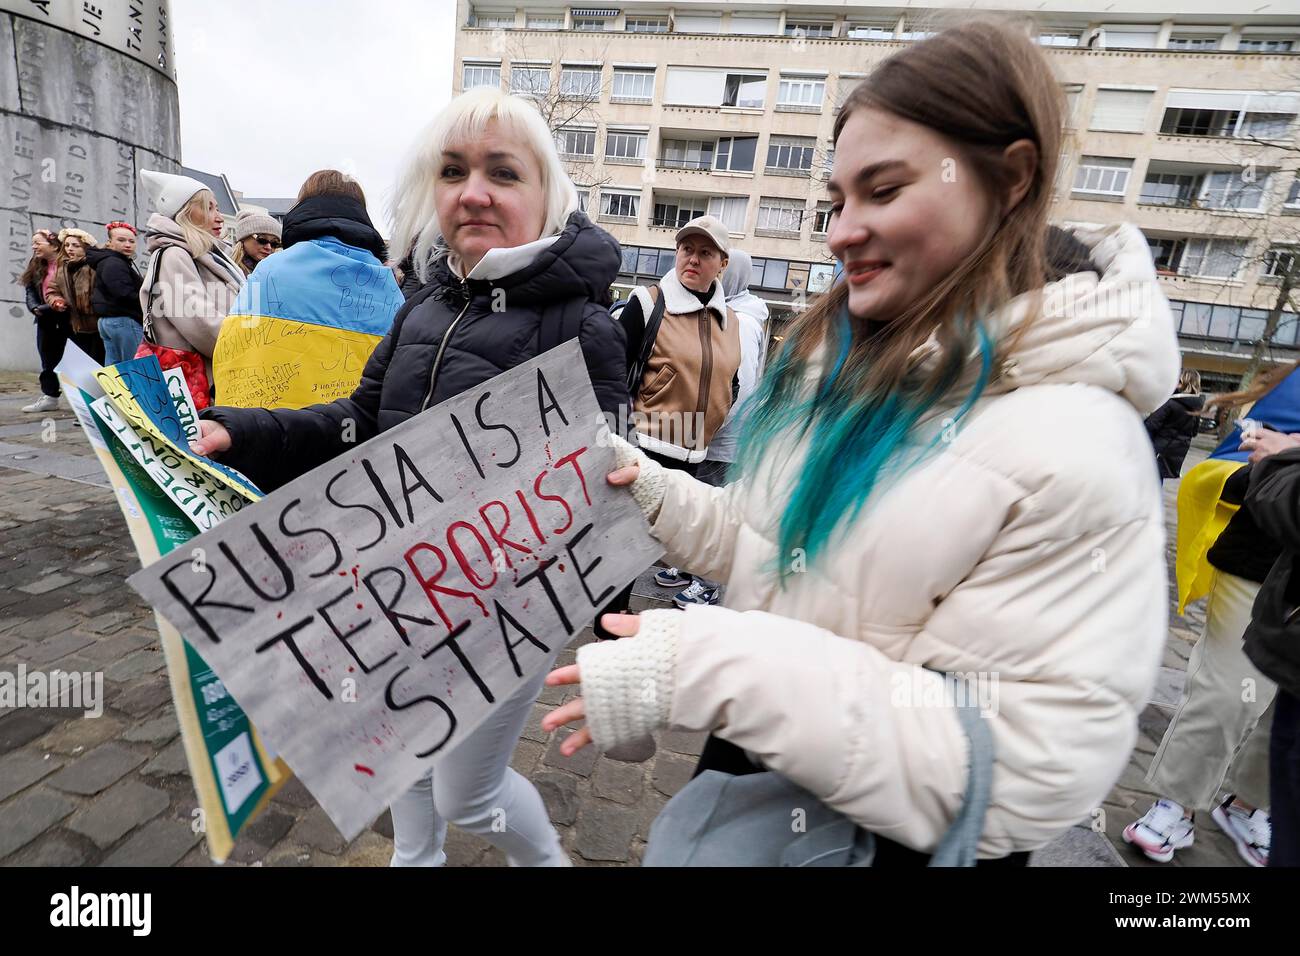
(303,326)
(1202,514)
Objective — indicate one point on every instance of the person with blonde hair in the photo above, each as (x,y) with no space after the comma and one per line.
(257,235)
(190,284)
(511,268)
(933,460)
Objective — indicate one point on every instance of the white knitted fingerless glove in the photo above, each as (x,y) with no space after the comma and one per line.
(627,684)
(648,489)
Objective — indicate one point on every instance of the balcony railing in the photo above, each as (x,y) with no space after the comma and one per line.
(698,164)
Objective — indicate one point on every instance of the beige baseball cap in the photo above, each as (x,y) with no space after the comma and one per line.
(705,226)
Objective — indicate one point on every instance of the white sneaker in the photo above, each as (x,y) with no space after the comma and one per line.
(46,403)
(1251,832)
(1161,831)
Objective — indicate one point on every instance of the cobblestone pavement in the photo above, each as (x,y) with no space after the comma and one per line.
(115,790)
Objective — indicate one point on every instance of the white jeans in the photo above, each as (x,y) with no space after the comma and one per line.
(475,788)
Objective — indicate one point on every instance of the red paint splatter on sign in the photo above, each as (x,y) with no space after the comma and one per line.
(361,768)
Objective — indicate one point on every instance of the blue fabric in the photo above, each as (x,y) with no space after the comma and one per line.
(1279,409)
(324,282)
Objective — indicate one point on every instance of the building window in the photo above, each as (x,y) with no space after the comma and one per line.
(576,143)
(646,25)
(1185,41)
(736,154)
(687,154)
(1121,111)
(822,219)
(676,211)
(1058,38)
(846,84)
(1072,91)
(592,24)
(619,205)
(801,91)
(816,30)
(828,162)
(1265,45)
(754,25)
(769,273)
(870,31)
(1169,189)
(730,211)
(790,154)
(584,196)
(1167,254)
(580,82)
(1102,176)
(492,21)
(633,86)
(697,23)
(545,21)
(474,75)
(625,147)
(1293,195)
(1226,123)
(1228,190)
(530,79)
(1281,261)
(1230,114)
(913,36)
(689,86)
(745,90)
(1213,258)
(779,215)
(1129,37)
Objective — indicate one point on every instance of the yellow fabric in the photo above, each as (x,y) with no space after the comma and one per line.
(265,362)
(1202,516)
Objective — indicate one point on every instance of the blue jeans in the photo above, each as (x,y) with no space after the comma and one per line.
(122,335)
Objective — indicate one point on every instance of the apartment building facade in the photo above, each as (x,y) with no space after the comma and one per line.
(1181,119)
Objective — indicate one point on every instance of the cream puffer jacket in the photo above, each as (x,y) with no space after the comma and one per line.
(1026,554)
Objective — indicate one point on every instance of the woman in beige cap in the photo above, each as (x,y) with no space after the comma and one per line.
(257,235)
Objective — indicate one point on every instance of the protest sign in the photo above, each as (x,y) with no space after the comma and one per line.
(139,390)
(370,614)
(234,775)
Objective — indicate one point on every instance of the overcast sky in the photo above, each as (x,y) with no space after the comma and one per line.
(272,90)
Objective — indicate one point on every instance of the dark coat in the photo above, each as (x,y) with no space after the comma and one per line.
(117,284)
(1272,640)
(1171,428)
(338,217)
(36,302)
(562,285)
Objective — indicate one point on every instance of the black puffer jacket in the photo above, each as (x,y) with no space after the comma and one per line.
(1171,428)
(1272,641)
(117,284)
(563,284)
(338,217)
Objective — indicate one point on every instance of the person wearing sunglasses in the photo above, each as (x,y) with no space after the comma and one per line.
(257,235)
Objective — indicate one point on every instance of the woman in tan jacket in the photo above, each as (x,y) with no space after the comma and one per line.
(190,284)
(945,471)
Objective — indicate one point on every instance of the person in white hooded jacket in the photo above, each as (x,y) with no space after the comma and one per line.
(946,471)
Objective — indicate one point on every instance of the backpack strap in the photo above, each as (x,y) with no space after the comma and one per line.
(652,323)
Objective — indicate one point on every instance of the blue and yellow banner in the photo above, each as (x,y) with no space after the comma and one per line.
(303,326)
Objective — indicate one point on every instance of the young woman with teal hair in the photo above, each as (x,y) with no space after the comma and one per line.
(945,470)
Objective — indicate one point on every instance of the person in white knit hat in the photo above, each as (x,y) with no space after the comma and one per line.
(190,284)
(257,235)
